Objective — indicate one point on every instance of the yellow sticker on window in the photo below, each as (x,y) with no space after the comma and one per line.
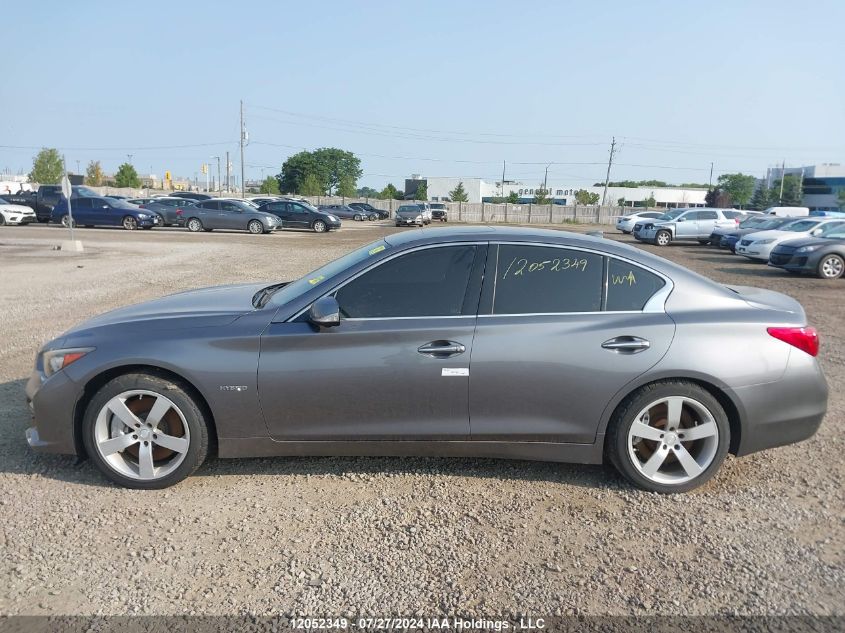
(377,249)
(316,280)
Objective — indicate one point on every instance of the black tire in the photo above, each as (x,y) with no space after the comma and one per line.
(2,220)
(357,217)
(181,395)
(616,443)
(663,238)
(194,225)
(831,266)
(319,226)
(255,227)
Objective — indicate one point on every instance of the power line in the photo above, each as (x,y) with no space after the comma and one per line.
(115,149)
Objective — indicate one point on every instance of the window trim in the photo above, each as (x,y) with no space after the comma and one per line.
(392,256)
(655,304)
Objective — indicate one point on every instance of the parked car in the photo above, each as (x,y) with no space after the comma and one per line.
(103,211)
(46,197)
(190,195)
(580,350)
(15,213)
(822,256)
(409,214)
(370,210)
(685,224)
(426,211)
(729,239)
(788,212)
(625,223)
(439,212)
(301,215)
(233,215)
(758,246)
(344,211)
(169,209)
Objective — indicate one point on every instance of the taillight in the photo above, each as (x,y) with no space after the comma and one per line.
(804,338)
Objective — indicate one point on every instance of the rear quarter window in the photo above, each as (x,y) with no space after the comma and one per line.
(629,287)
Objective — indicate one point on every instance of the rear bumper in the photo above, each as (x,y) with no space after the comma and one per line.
(785,411)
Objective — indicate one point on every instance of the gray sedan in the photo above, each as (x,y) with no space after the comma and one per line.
(580,349)
(236,215)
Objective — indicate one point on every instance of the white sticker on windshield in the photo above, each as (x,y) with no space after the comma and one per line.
(455,371)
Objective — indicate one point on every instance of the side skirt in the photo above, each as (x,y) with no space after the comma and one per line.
(537,451)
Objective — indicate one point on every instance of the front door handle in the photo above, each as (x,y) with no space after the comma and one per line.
(442,349)
(626,344)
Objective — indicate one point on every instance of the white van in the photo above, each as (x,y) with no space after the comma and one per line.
(788,212)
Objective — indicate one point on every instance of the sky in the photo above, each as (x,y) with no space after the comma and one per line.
(432,88)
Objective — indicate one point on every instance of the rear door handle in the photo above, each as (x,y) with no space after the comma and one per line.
(626,344)
(442,349)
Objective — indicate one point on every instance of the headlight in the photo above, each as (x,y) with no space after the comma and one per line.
(333,218)
(143,216)
(763,241)
(419,217)
(55,359)
(806,249)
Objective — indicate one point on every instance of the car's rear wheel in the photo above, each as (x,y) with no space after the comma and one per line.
(319,226)
(831,267)
(194,225)
(668,437)
(663,238)
(255,227)
(2,219)
(130,223)
(145,431)
(66,221)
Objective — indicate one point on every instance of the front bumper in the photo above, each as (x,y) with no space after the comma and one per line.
(794,262)
(408,222)
(21,220)
(753,252)
(52,402)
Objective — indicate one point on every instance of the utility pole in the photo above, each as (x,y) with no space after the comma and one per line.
(782,178)
(503,179)
(546,180)
(609,165)
(228,169)
(217,187)
(243,140)
(77,167)
(710,184)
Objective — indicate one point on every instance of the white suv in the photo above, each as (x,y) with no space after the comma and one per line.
(686,224)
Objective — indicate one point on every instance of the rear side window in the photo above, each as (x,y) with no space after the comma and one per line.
(543,279)
(429,282)
(629,287)
(709,215)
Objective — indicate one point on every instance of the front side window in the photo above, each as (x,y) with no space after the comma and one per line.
(543,279)
(425,283)
(629,287)
(832,227)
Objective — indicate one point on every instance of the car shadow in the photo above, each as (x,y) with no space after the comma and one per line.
(17,458)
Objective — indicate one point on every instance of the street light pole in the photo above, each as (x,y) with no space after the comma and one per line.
(218,171)
(546,179)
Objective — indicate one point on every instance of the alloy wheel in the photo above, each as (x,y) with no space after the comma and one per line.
(66,221)
(194,225)
(130,223)
(142,435)
(832,267)
(319,226)
(255,227)
(662,238)
(673,440)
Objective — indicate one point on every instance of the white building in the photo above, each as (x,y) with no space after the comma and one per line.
(479,190)
(820,183)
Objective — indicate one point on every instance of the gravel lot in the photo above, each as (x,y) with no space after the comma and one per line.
(391,536)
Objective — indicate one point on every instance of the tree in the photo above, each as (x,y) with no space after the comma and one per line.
(47,167)
(422,191)
(327,165)
(94,174)
(346,187)
(367,192)
(311,186)
(582,196)
(459,194)
(513,197)
(716,197)
(620,202)
(295,170)
(739,187)
(126,176)
(761,199)
(269,185)
(541,196)
(792,194)
(391,193)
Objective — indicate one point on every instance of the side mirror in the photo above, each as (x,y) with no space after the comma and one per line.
(324,312)
(817,232)
(679,220)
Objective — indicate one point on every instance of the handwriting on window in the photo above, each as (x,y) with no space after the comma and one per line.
(520,267)
(621,280)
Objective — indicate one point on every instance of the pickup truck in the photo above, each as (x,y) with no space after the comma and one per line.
(47,197)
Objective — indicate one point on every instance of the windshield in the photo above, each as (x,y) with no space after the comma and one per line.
(438,206)
(749,222)
(771,224)
(85,192)
(801,225)
(325,273)
(671,215)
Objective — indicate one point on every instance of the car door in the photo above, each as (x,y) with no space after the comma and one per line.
(81,210)
(560,332)
(300,218)
(210,214)
(706,222)
(231,216)
(686,225)
(100,212)
(395,368)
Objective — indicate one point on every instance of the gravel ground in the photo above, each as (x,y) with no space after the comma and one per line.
(391,536)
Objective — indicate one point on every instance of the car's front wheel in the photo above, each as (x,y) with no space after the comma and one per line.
(668,437)
(130,223)
(319,226)
(255,227)
(358,218)
(831,267)
(145,431)
(66,221)
(663,238)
